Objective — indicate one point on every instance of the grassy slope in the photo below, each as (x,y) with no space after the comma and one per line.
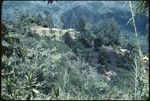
(73,84)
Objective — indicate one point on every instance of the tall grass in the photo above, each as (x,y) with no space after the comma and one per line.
(139,69)
(135,31)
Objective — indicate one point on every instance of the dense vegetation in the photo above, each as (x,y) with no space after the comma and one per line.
(83,63)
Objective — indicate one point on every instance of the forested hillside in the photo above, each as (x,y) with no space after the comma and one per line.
(74,50)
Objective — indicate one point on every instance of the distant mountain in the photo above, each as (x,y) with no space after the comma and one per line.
(75,14)
(93,12)
(95,18)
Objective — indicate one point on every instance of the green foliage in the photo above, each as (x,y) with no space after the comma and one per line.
(31,86)
(98,42)
(81,26)
(68,40)
(142,7)
(141,83)
(108,32)
(34,67)
(29,19)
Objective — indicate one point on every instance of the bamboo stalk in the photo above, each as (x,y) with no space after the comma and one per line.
(136,33)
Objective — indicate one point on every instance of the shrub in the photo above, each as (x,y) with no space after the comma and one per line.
(68,40)
(108,32)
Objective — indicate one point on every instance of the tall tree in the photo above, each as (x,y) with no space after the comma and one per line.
(74,20)
(81,25)
(50,22)
(109,32)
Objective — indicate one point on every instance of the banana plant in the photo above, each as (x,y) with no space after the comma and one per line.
(10,82)
(31,86)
